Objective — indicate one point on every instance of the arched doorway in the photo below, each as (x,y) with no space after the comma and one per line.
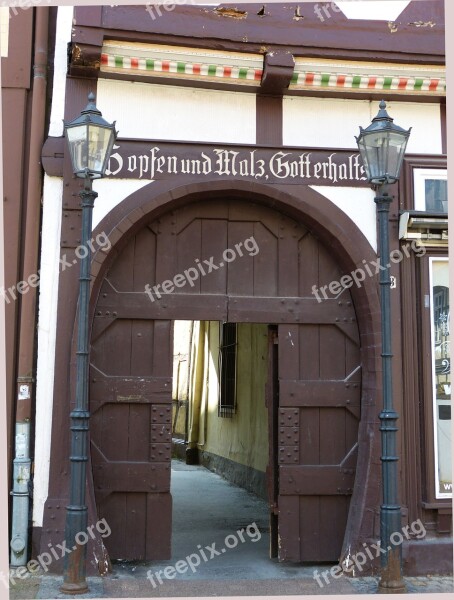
(319,364)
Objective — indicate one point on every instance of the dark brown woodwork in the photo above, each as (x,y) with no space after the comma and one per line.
(268,162)
(272,404)
(277,72)
(322,480)
(327,222)
(406,183)
(294,28)
(249,202)
(319,370)
(418,479)
(269,120)
(16,72)
(319,412)
(130,403)
(85,60)
(14,118)
(16,67)
(253,309)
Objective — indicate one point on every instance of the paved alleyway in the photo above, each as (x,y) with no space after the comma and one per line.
(208,511)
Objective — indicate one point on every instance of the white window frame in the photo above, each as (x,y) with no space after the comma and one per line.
(438,494)
(4,31)
(420,176)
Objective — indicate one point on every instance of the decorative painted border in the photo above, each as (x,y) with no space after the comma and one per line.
(176,67)
(331,77)
(311,79)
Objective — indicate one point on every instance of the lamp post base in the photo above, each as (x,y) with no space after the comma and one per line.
(391,581)
(392,589)
(74,581)
(74,588)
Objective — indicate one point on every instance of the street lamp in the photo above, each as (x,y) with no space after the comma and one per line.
(382,147)
(90,141)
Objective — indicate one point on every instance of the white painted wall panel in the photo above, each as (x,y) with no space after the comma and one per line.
(110,193)
(49,276)
(356,203)
(425,121)
(63,37)
(47,330)
(153,112)
(334,123)
(323,123)
(4,31)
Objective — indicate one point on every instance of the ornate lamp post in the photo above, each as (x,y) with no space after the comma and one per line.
(382,147)
(90,141)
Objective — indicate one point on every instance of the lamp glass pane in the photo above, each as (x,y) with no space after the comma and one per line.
(382,154)
(77,142)
(397,146)
(111,142)
(98,146)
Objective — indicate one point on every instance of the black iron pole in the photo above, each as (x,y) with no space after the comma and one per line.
(391,580)
(77,512)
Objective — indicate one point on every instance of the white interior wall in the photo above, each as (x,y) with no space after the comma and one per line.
(48,289)
(47,330)
(323,123)
(334,123)
(63,37)
(110,193)
(356,203)
(162,112)
(425,121)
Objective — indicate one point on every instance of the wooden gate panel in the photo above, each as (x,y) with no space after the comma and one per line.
(188,250)
(130,401)
(308,265)
(131,371)
(240,280)
(214,242)
(320,379)
(266,275)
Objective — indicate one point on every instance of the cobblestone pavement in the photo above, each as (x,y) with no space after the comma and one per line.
(46,587)
(243,570)
(415,585)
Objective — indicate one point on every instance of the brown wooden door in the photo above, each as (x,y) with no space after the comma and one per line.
(130,402)
(319,411)
(272,471)
(318,368)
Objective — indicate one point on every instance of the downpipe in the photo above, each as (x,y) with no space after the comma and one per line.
(20,493)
